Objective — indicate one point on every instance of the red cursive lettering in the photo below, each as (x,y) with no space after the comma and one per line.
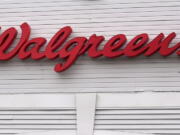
(75,47)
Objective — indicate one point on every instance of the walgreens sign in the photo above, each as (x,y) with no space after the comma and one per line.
(59,48)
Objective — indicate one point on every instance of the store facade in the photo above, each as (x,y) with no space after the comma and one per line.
(89,67)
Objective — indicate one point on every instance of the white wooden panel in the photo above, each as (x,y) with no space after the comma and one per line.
(104,17)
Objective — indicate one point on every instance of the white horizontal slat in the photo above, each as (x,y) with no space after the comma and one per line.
(137,112)
(173,111)
(72,132)
(97,122)
(38,101)
(153,100)
(137,122)
(174,132)
(98,127)
(98,117)
(67,101)
(38,112)
(38,117)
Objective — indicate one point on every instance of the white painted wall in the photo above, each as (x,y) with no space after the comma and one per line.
(103,17)
(156,78)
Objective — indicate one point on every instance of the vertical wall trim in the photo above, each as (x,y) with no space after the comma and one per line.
(85,105)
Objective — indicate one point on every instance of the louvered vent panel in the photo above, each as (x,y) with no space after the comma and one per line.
(14,121)
(148,120)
